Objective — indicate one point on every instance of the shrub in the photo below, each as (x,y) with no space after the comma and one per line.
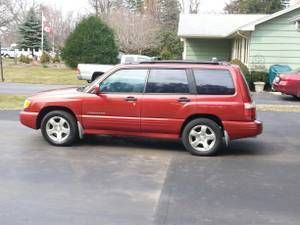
(259,76)
(92,41)
(25,59)
(245,71)
(56,58)
(45,58)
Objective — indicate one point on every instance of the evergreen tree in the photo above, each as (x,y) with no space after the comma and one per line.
(31,33)
(169,14)
(92,41)
(255,6)
(135,5)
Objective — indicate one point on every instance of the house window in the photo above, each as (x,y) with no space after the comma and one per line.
(298,25)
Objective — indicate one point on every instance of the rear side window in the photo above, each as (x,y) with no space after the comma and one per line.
(167,81)
(214,82)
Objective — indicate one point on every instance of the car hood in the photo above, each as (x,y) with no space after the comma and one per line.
(59,93)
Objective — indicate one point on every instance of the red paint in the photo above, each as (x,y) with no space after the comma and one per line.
(150,115)
(288,84)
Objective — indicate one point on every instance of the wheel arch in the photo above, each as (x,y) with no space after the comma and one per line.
(214,118)
(48,109)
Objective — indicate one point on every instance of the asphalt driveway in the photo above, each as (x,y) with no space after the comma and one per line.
(106,180)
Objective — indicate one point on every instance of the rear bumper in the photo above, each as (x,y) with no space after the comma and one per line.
(29,119)
(237,129)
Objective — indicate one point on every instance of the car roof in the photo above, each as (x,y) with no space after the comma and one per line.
(177,65)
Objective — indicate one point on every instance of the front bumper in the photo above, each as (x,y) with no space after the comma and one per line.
(29,119)
(238,129)
(281,87)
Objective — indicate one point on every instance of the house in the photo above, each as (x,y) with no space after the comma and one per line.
(257,40)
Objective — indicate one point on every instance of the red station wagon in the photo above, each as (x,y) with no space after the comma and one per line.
(203,104)
(288,84)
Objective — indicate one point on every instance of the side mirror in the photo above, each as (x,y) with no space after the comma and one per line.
(96,90)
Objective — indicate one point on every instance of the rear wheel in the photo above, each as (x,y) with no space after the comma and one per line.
(202,137)
(59,128)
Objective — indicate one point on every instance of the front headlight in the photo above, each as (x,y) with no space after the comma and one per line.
(277,80)
(26,104)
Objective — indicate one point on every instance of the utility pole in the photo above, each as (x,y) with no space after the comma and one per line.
(1,64)
(2,29)
(42,42)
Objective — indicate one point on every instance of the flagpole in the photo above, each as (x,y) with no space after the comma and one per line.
(42,45)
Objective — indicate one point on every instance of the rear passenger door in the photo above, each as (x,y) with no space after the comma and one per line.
(166,101)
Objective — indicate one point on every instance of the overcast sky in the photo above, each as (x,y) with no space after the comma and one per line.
(82,6)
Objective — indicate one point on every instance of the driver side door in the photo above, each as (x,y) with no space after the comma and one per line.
(118,105)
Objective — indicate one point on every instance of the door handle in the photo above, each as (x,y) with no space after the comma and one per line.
(183,99)
(130,99)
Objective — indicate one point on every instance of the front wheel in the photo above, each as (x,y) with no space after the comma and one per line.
(202,137)
(59,128)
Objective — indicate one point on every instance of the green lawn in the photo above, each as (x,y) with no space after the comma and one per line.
(10,102)
(38,74)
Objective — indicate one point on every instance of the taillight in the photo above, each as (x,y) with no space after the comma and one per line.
(250,111)
(78,71)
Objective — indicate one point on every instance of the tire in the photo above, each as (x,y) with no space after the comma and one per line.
(59,128)
(296,97)
(206,134)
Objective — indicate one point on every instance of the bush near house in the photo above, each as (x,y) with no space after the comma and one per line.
(259,76)
(244,70)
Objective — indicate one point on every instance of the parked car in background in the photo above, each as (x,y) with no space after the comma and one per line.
(9,53)
(201,104)
(288,83)
(91,72)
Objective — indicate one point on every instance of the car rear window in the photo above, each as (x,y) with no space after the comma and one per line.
(214,82)
(167,81)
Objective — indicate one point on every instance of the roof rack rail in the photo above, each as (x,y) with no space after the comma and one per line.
(182,62)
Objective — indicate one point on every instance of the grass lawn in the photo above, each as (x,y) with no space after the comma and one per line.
(37,74)
(10,102)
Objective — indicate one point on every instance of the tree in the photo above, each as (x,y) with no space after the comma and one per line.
(134,5)
(254,6)
(101,6)
(169,14)
(61,25)
(194,6)
(92,41)
(135,32)
(171,46)
(31,33)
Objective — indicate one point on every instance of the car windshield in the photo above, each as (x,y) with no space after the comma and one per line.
(85,88)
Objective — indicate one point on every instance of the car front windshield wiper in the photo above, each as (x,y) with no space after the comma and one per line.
(81,89)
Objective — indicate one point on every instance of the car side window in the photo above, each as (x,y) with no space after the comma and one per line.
(214,82)
(125,81)
(167,81)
